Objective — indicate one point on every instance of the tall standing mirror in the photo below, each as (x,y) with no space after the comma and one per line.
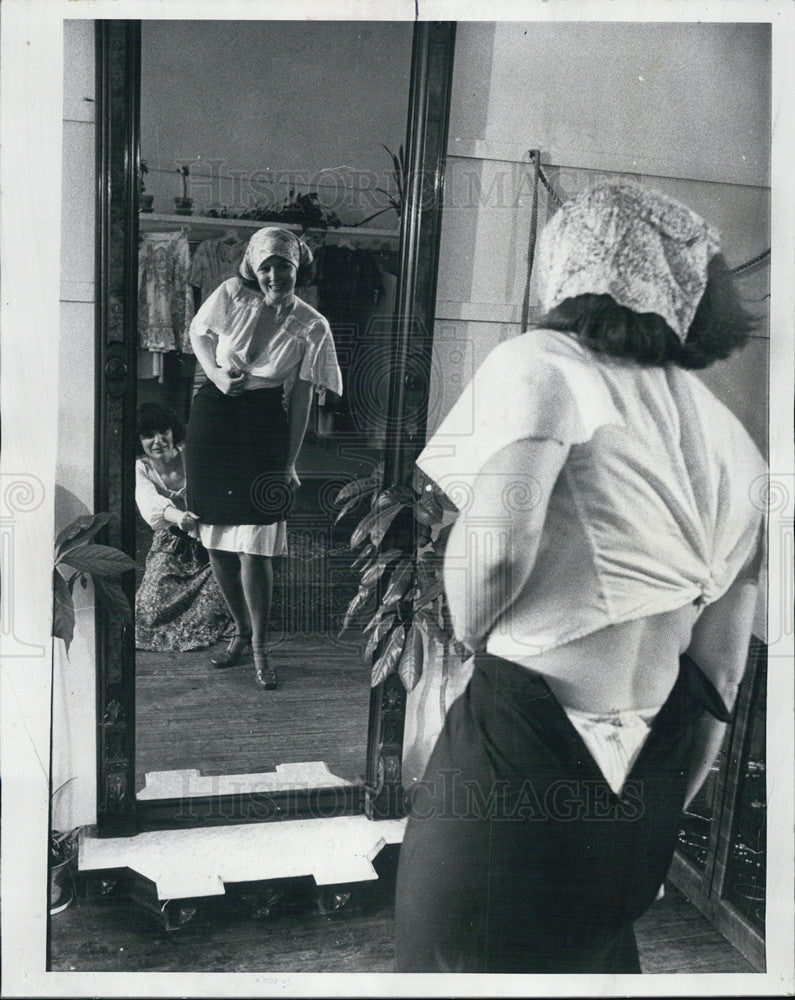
(208,132)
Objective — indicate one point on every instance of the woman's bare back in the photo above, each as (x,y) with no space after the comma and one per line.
(623,667)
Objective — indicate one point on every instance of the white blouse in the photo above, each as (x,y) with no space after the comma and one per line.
(302,347)
(152,496)
(654,507)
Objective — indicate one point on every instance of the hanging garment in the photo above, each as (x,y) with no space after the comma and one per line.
(165,300)
(214,261)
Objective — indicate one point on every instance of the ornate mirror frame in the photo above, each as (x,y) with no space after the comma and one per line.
(118,61)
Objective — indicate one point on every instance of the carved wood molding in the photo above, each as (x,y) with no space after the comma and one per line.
(426,153)
(118,62)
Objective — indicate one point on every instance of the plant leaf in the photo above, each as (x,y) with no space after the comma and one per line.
(411,659)
(102,560)
(110,594)
(357,488)
(393,494)
(426,596)
(400,581)
(428,567)
(387,663)
(374,572)
(378,634)
(375,524)
(367,553)
(442,537)
(356,604)
(80,530)
(349,506)
(63,612)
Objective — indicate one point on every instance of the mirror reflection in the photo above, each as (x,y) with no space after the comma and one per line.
(270,198)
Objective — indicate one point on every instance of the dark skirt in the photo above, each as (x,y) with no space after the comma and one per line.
(518,856)
(236,457)
(178,605)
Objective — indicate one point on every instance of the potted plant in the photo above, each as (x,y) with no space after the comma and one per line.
(183,204)
(63,851)
(78,557)
(399,177)
(145,201)
(401,587)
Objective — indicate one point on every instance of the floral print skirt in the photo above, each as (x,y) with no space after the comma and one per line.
(178,605)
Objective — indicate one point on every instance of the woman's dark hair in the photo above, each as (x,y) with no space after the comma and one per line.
(153,417)
(720,326)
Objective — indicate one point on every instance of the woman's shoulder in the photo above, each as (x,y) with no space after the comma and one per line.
(723,428)
(541,355)
(311,322)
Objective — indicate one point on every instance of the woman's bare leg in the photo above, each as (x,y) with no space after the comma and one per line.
(226,570)
(256,573)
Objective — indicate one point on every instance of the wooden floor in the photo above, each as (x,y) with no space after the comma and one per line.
(238,934)
(189,715)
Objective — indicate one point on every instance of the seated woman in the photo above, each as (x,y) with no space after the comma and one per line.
(178,605)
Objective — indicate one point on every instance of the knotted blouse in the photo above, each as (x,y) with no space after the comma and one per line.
(654,507)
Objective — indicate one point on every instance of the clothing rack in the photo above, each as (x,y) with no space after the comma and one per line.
(202,227)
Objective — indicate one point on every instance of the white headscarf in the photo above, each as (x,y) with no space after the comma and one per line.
(647,251)
(273,241)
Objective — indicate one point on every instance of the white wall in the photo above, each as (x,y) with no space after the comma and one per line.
(74,743)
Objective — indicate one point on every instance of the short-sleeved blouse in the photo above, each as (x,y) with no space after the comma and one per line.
(654,507)
(303,346)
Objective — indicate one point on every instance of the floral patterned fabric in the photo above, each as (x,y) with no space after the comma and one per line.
(178,605)
(646,250)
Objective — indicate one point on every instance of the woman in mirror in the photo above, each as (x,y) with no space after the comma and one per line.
(604,571)
(178,605)
(263,351)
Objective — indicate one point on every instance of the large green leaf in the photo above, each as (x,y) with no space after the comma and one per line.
(429,566)
(102,560)
(442,537)
(428,510)
(375,524)
(393,494)
(110,594)
(429,594)
(368,552)
(352,504)
(378,633)
(387,663)
(357,488)
(80,530)
(63,612)
(411,659)
(356,605)
(374,572)
(400,581)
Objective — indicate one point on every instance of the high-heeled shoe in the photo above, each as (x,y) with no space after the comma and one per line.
(264,674)
(233,653)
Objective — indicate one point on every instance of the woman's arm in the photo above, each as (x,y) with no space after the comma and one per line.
(298,411)
(719,646)
(493,544)
(156,509)
(203,345)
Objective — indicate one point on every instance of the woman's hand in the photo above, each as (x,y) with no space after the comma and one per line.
(291,478)
(188,521)
(185,520)
(230,383)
